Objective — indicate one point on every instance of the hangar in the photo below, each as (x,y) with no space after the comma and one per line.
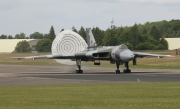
(174,43)
(8,45)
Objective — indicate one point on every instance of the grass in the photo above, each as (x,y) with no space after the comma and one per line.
(5,59)
(161,63)
(92,96)
(155,95)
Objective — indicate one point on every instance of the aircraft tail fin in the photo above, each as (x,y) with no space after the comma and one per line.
(90,39)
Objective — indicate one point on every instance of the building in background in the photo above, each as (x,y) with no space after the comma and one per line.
(174,43)
(8,45)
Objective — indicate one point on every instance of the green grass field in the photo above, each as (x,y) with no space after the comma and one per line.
(92,96)
(155,95)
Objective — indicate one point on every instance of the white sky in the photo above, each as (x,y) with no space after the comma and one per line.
(29,16)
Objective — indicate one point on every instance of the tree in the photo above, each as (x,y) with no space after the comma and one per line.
(98,35)
(10,37)
(134,36)
(124,37)
(74,29)
(62,29)
(129,46)
(144,32)
(44,45)
(23,46)
(164,44)
(119,32)
(110,38)
(17,36)
(20,36)
(52,35)
(82,33)
(146,46)
(36,35)
(45,36)
(178,34)
(3,36)
(155,33)
(152,41)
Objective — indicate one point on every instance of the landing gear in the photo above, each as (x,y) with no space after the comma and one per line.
(79,71)
(117,65)
(78,63)
(127,70)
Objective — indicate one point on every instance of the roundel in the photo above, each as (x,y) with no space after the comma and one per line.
(68,42)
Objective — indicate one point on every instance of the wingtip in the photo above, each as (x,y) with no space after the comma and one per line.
(173,55)
(15,58)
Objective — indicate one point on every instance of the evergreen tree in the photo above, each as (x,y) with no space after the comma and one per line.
(152,41)
(164,44)
(110,38)
(119,32)
(10,37)
(146,46)
(82,33)
(74,29)
(98,35)
(125,37)
(145,32)
(155,33)
(134,36)
(51,35)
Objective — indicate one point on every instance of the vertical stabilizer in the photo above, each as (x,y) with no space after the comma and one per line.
(90,39)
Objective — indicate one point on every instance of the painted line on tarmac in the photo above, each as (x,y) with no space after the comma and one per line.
(3,76)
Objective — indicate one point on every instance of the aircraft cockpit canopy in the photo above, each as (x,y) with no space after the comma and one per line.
(123,46)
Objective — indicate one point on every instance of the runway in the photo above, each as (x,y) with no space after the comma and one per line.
(11,75)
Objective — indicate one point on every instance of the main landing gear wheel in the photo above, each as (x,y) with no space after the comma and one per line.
(127,70)
(79,71)
(117,65)
(117,71)
(78,62)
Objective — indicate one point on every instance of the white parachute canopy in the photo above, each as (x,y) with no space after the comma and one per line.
(68,42)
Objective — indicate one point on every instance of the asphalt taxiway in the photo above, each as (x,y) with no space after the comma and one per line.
(38,75)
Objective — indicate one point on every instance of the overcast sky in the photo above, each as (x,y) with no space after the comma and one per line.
(29,16)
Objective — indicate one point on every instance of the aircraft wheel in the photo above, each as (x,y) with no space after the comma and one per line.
(127,71)
(79,71)
(117,71)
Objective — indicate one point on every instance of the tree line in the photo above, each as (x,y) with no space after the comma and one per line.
(148,36)
(43,45)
